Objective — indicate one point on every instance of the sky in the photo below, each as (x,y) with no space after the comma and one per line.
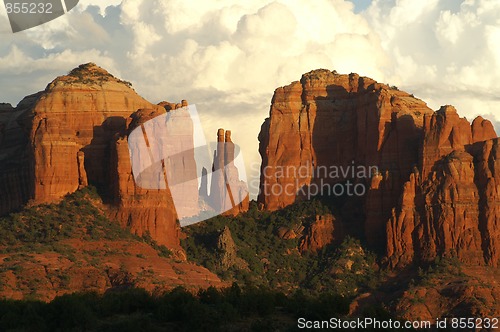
(229,56)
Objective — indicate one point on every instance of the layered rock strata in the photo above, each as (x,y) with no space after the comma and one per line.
(433,191)
(328,122)
(228,193)
(75,133)
(450,207)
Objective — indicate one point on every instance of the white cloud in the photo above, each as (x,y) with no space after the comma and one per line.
(445,52)
(101,4)
(228,56)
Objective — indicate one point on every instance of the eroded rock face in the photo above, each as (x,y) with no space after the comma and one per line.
(53,131)
(434,192)
(228,193)
(143,211)
(79,112)
(320,233)
(327,120)
(451,208)
(445,131)
(152,208)
(227,250)
(289,233)
(75,133)
(16,171)
(72,135)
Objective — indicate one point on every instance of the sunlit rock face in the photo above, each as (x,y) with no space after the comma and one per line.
(433,191)
(76,133)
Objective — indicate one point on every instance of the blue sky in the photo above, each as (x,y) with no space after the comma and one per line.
(360,5)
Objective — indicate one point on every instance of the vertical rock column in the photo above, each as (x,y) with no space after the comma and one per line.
(218,185)
(228,194)
(237,190)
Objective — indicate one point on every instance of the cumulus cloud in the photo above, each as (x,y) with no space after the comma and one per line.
(446,52)
(227,56)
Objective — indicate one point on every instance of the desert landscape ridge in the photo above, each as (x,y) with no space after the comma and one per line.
(422,240)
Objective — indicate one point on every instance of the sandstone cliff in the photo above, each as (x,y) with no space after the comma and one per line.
(320,233)
(328,119)
(142,210)
(53,131)
(228,193)
(61,141)
(76,132)
(449,207)
(433,191)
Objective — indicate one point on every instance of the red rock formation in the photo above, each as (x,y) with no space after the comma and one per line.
(15,157)
(328,119)
(60,139)
(139,209)
(72,121)
(227,252)
(482,130)
(487,166)
(51,274)
(445,131)
(322,232)
(451,208)
(435,191)
(228,193)
(288,233)
(155,208)
(76,113)
(75,133)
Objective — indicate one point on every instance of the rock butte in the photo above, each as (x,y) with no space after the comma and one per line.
(74,134)
(436,191)
(226,188)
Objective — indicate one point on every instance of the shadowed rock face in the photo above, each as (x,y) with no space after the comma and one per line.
(450,208)
(142,210)
(327,120)
(227,251)
(63,139)
(320,233)
(53,131)
(227,192)
(75,133)
(434,192)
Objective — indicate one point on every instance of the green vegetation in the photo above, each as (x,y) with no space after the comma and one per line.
(177,310)
(83,75)
(348,270)
(78,216)
(345,269)
(74,217)
(441,267)
(161,249)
